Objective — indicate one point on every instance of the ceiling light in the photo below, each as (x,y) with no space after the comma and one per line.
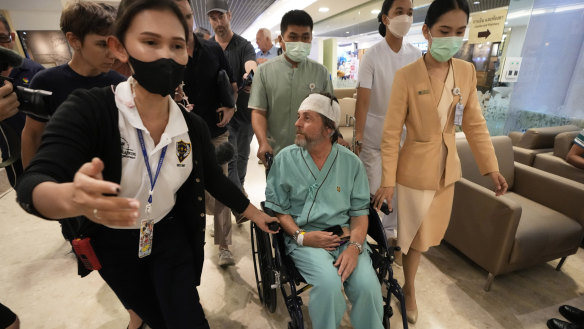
(476,2)
(348,32)
(375,11)
(323,9)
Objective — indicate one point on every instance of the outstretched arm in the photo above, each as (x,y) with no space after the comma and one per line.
(86,196)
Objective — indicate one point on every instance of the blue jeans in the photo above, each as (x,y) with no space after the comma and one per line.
(240,136)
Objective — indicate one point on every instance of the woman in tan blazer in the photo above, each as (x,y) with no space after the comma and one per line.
(425,97)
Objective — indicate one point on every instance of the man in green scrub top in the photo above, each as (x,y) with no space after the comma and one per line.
(314,185)
(281,84)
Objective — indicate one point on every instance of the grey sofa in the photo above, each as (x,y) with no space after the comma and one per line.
(536,140)
(555,162)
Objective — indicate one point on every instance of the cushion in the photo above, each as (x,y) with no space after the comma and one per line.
(541,138)
(344,92)
(558,166)
(542,231)
(563,143)
(505,159)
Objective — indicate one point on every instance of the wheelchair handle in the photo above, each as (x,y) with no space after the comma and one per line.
(384,207)
(274,226)
(269,159)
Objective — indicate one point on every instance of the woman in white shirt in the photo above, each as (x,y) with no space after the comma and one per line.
(153,183)
(375,81)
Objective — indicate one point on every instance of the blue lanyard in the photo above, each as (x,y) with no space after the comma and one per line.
(145,154)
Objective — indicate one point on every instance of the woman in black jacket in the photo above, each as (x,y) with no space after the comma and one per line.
(145,201)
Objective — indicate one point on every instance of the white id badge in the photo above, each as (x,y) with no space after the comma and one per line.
(146,236)
(458,114)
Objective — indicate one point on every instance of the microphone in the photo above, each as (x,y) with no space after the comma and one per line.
(224,153)
(9,58)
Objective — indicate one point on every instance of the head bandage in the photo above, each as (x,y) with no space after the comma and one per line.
(322,104)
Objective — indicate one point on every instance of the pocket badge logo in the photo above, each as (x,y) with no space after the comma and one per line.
(183,150)
(338,189)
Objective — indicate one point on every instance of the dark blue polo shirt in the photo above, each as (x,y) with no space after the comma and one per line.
(62,80)
(201,81)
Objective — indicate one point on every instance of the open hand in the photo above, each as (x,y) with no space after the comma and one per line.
(89,197)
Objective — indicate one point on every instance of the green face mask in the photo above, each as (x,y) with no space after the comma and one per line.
(297,51)
(443,49)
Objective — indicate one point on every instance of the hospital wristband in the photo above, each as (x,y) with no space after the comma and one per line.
(300,239)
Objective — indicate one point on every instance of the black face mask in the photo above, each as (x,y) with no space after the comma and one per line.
(161,76)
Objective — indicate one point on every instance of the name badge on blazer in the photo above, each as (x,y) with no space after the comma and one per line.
(423,92)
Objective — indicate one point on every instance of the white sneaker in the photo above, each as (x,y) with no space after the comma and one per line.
(225,258)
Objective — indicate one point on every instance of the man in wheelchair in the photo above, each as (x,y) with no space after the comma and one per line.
(320,193)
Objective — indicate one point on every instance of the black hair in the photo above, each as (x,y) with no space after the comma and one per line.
(295,17)
(384,11)
(5,22)
(128,9)
(328,123)
(441,7)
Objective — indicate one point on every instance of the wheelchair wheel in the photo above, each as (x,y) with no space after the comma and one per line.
(386,317)
(263,262)
(296,317)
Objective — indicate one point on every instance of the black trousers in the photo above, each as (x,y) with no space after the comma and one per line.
(7,317)
(160,288)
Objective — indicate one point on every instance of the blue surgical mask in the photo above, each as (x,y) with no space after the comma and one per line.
(297,51)
(443,49)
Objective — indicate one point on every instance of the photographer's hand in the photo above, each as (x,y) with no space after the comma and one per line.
(8,101)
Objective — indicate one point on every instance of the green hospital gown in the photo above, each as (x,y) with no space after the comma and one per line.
(331,195)
(335,193)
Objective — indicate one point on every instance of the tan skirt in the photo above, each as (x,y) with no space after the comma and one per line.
(423,216)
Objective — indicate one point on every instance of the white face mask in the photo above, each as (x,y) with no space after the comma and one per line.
(400,26)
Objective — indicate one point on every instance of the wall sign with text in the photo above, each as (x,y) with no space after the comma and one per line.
(487,26)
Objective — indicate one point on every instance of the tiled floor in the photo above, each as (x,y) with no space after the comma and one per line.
(38,281)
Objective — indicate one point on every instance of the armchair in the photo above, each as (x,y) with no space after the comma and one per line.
(540,219)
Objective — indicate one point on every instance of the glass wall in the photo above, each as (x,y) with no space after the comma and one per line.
(532,77)
(550,88)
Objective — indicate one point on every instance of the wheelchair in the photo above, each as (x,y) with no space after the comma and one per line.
(274,269)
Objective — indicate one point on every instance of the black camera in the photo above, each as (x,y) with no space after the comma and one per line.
(247,81)
(32,102)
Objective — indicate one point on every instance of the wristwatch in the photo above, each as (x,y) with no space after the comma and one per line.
(356,244)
